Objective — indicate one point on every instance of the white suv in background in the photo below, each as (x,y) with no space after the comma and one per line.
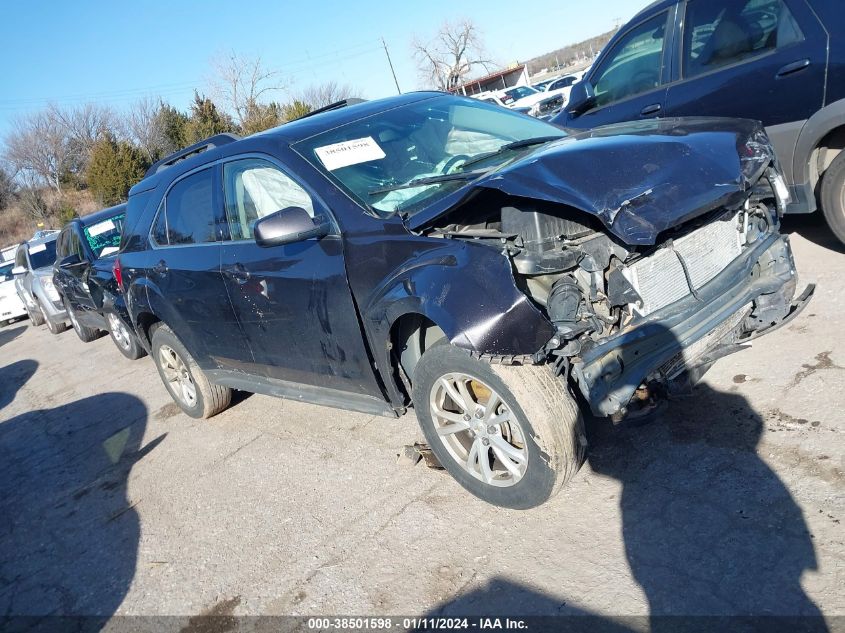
(525,99)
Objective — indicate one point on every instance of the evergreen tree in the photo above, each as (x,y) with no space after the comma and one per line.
(206,120)
(114,167)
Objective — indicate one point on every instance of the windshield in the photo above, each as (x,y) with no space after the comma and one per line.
(104,236)
(6,271)
(373,157)
(41,255)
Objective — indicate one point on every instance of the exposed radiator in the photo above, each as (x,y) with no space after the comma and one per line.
(659,278)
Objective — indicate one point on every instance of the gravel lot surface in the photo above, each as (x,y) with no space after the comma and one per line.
(113,502)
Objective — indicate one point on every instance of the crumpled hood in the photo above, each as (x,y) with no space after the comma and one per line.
(638,178)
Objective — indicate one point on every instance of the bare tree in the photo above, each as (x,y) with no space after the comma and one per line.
(454,52)
(320,95)
(37,148)
(31,196)
(83,126)
(142,126)
(240,84)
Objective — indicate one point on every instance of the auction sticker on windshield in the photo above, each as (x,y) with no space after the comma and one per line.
(101,227)
(354,152)
(37,248)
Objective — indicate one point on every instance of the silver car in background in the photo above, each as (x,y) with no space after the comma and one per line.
(33,273)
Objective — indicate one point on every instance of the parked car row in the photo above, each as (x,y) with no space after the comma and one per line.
(66,276)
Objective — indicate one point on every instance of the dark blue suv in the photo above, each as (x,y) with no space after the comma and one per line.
(781,62)
(482,266)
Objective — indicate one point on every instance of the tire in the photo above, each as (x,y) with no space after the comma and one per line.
(55,328)
(85,334)
(209,399)
(36,318)
(123,338)
(543,426)
(832,196)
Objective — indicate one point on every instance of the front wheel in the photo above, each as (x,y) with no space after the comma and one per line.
(510,435)
(86,334)
(55,328)
(187,383)
(36,317)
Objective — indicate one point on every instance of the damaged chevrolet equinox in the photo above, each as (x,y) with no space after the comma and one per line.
(500,276)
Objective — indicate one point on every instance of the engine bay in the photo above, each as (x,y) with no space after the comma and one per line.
(585,280)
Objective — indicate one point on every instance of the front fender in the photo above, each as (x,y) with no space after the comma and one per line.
(469,291)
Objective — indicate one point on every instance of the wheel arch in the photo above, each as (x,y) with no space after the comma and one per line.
(820,141)
(145,322)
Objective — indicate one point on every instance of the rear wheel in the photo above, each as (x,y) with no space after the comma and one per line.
(832,196)
(85,334)
(510,435)
(187,383)
(123,338)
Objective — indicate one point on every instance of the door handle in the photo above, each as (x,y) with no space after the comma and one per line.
(161,267)
(654,108)
(238,272)
(794,67)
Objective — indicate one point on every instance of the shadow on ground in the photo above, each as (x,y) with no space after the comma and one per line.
(69,529)
(813,228)
(9,334)
(709,529)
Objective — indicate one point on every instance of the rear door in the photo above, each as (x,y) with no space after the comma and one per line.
(293,301)
(629,81)
(755,59)
(187,289)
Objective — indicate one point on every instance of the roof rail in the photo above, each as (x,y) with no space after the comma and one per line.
(332,106)
(210,143)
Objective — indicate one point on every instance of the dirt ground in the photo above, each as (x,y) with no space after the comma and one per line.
(113,502)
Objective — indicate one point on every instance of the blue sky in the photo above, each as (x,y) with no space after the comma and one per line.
(114,52)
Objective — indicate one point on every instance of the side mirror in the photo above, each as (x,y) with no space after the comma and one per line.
(70,262)
(19,270)
(582,97)
(289,225)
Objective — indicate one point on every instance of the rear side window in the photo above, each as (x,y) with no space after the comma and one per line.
(723,32)
(255,188)
(635,64)
(186,215)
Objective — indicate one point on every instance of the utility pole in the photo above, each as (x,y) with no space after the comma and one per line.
(393,72)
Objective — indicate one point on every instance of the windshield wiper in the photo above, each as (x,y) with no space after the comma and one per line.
(526,142)
(428,180)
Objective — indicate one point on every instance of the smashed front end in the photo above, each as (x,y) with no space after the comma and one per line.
(652,250)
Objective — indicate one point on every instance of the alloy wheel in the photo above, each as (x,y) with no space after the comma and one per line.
(119,331)
(73,320)
(178,377)
(479,429)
